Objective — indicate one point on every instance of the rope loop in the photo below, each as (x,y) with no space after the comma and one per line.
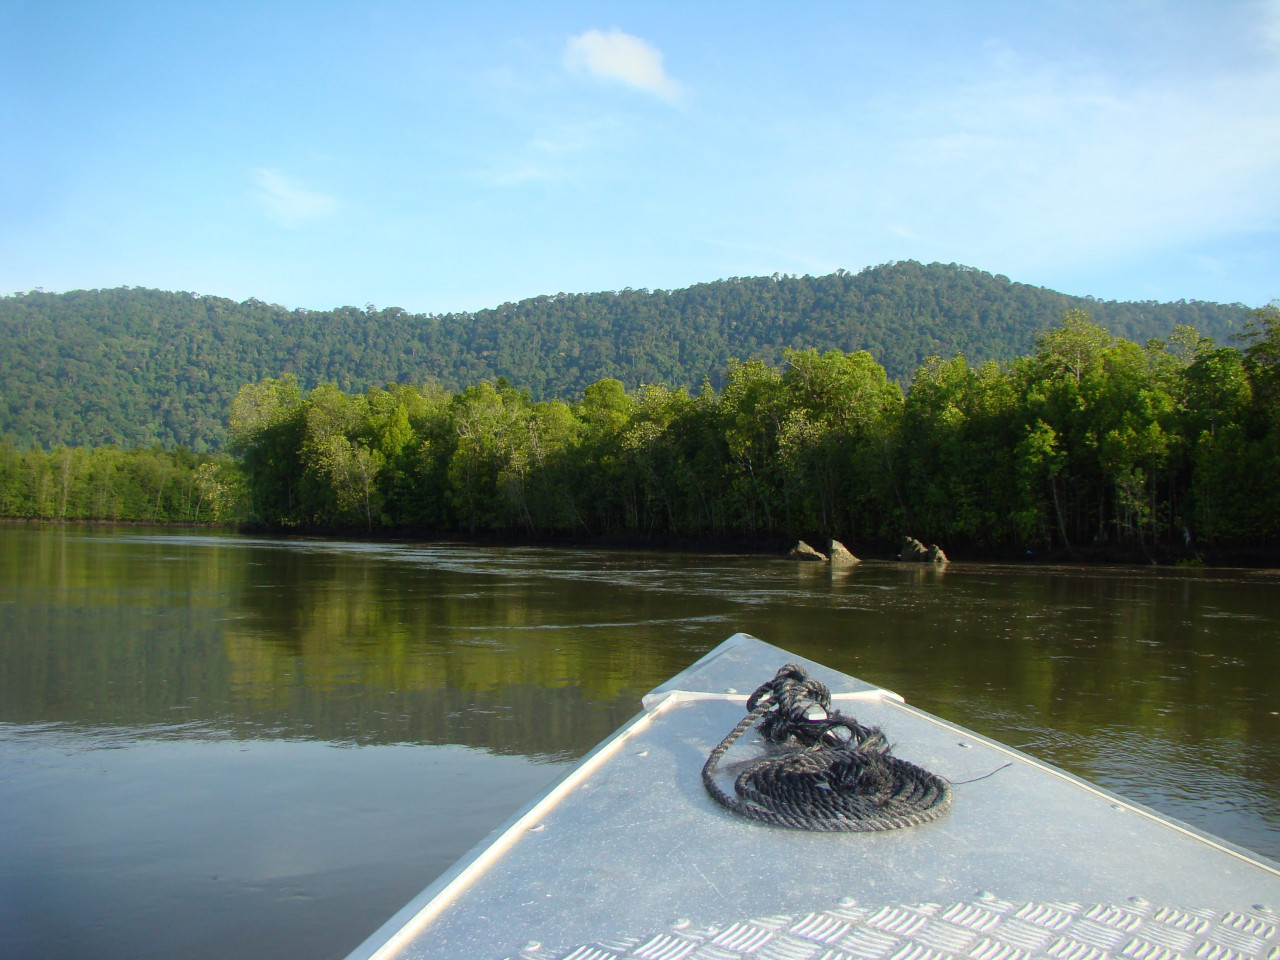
(831,773)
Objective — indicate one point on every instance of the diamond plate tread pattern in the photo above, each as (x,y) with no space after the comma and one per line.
(986,929)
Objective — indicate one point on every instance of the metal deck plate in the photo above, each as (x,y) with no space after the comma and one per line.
(986,929)
(629,857)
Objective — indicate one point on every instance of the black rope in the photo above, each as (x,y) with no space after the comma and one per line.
(836,774)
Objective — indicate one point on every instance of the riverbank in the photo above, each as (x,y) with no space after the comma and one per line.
(133,524)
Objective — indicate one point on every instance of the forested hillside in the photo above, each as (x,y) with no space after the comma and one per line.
(1092,443)
(1092,446)
(134,367)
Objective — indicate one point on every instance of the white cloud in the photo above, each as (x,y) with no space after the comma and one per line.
(287,201)
(623,58)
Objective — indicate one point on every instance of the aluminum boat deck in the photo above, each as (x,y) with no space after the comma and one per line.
(628,856)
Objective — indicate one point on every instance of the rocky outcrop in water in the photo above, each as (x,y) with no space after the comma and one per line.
(802,551)
(839,553)
(913,551)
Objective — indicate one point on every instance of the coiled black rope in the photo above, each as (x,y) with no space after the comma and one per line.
(839,775)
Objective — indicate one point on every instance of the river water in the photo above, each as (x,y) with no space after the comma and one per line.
(217,746)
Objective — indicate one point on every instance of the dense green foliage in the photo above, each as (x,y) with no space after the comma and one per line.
(106,483)
(1091,440)
(137,367)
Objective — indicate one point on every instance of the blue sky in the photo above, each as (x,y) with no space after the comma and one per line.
(445,156)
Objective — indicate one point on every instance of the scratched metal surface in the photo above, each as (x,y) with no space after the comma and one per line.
(628,857)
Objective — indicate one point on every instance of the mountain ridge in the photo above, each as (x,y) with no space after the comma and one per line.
(137,367)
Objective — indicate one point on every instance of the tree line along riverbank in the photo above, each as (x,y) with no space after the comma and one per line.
(1091,444)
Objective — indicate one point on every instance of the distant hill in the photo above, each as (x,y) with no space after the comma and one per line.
(133,366)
